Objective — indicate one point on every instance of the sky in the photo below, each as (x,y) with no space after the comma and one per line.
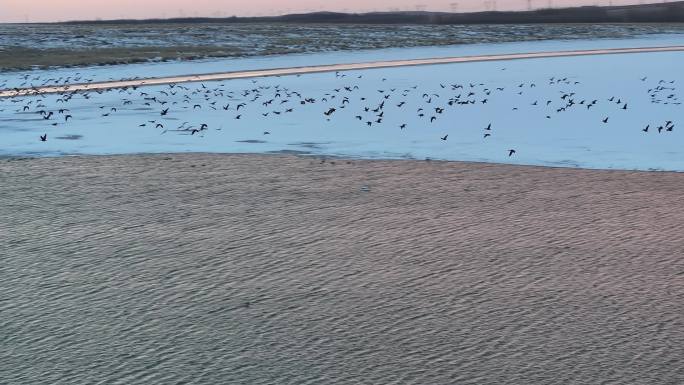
(18,11)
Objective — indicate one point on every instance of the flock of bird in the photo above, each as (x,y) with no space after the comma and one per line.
(166,104)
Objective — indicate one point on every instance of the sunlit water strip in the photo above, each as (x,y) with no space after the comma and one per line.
(322,68)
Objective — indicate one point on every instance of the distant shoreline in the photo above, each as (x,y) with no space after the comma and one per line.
(670,12)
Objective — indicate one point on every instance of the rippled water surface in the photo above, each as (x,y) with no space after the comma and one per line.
(216,269)
(255,39)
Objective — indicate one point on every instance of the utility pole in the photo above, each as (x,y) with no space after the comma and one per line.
(490,5)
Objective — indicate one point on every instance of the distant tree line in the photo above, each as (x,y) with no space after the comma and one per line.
(672,12)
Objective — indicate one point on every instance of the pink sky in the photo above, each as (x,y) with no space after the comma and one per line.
(59,10)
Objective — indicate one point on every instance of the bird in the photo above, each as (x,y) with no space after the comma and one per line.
(487,135)
(605,120)
(646,129)
(511,152)
(445,137)
(43,138)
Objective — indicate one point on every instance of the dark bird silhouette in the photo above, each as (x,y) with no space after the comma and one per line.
(646,129)
(43,138)
(445,137)
(510,153)
(605,120)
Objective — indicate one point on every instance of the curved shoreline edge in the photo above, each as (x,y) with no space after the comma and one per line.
(191,78)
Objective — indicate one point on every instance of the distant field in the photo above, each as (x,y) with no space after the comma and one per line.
(41,45)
